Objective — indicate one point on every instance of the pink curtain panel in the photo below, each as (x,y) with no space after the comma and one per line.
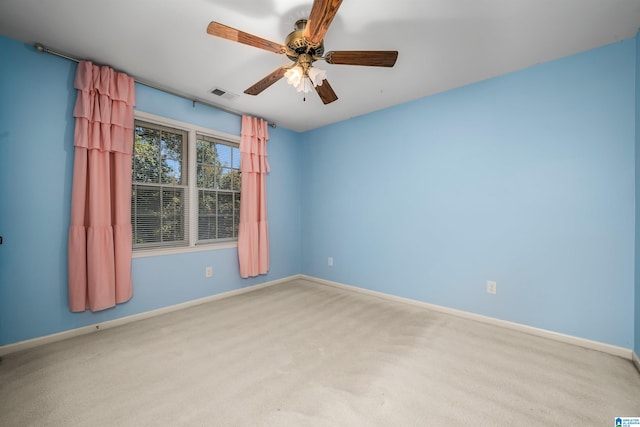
(100,228)
(253,233)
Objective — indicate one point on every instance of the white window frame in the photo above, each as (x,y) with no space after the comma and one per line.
(192,130)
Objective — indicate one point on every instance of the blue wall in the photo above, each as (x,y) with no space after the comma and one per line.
(526,179)
(36,158)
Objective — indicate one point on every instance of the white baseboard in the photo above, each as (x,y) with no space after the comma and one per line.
(35,342)
(581,342)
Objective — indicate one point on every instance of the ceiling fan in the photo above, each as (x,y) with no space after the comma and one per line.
(304,46)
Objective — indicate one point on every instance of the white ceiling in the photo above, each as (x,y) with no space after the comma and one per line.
(442,44)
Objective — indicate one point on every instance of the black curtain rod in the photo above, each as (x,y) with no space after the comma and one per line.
(41,48)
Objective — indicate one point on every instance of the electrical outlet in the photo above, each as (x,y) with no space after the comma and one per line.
(330,261)
(208,271)
(491,287)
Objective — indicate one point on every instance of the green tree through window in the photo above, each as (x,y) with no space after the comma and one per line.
(160,202)
(159,191)
(218,183)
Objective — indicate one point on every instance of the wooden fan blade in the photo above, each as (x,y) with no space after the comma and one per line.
(326,92)
(221,30)
(267,81)
(372,58)
(322,13)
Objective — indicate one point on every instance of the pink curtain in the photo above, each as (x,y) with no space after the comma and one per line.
(253,233)
(100,229)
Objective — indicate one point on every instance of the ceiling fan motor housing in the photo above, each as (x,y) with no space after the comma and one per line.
(296,42)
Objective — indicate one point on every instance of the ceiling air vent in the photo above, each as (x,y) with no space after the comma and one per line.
(224,94)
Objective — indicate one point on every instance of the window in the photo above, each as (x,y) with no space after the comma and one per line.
(218,172)
(159,197)
(185,185)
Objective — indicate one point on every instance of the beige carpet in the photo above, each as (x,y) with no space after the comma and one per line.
(304,354)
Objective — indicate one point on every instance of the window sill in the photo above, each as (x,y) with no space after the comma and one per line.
(144,253)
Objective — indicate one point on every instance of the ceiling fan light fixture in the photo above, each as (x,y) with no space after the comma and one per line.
(297,77)
(294,76)
(317,76)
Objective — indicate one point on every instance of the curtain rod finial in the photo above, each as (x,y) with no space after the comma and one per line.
(39,47)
